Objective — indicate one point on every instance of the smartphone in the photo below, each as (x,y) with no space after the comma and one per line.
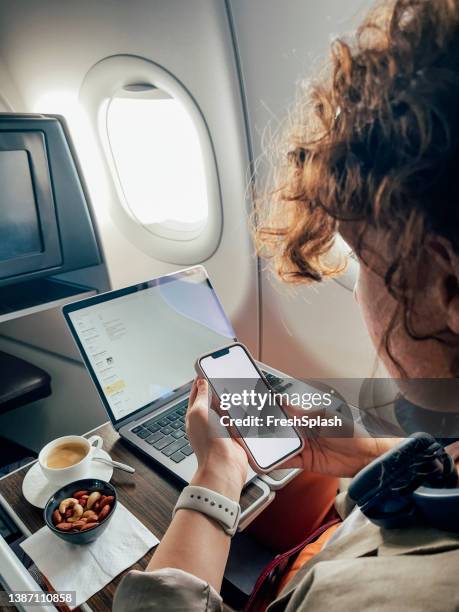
(233,375)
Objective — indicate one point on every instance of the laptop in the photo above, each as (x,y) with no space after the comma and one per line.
(140,344)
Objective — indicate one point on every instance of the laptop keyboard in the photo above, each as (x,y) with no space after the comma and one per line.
(167,433)
(277,383)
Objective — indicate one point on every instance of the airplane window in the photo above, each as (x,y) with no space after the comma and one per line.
(158,158)
(162,186)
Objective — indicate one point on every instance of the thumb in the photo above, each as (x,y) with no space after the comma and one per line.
(201,399)
(453,450)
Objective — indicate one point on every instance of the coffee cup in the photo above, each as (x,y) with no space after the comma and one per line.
(68,458)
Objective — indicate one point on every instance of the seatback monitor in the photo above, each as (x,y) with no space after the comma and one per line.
(45,223)
(20,232)
(28,220)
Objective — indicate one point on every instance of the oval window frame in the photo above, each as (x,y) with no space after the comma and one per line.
(100,85)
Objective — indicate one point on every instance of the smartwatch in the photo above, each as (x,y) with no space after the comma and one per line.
(221,509)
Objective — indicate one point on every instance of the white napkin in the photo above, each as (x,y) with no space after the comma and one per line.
(88,568)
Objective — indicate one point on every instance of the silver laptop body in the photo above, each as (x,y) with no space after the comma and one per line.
(139,345)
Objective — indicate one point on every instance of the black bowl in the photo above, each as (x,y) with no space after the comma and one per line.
(87,484)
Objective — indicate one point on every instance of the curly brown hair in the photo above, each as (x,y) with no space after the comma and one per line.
(375,140)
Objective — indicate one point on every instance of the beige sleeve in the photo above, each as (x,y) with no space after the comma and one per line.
(165,589)
(344,505)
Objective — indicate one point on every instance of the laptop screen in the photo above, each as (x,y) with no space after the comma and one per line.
(140,343)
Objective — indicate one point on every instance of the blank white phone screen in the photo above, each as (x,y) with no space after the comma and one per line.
(231,371)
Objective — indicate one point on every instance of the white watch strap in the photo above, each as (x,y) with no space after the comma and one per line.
(218,507)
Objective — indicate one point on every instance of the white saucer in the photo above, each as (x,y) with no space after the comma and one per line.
(37,489)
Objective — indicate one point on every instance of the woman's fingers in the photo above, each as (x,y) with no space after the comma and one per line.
(197,404)
(293,411)
(297,411)
(199,396)
(194,390)
(321,422)
(201,400)
(294,462)
(202,411)
(453,450)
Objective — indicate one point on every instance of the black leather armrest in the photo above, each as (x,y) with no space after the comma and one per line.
(21,382)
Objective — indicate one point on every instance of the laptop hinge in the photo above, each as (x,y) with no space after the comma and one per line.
(136,416)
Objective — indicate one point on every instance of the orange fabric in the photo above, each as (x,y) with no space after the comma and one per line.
(306,554)
(298,509)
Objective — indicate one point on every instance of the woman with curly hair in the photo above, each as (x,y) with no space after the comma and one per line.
(372,153)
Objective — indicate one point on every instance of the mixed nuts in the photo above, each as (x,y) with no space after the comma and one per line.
(83,511)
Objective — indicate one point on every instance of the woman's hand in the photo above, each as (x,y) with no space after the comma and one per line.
(195,543)
(336,456)
(222,462)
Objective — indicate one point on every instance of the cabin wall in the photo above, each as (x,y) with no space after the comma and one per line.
(50,46)
(46,50)
(10,97)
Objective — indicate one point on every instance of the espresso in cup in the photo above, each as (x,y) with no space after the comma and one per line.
(66,454)
(68,458)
